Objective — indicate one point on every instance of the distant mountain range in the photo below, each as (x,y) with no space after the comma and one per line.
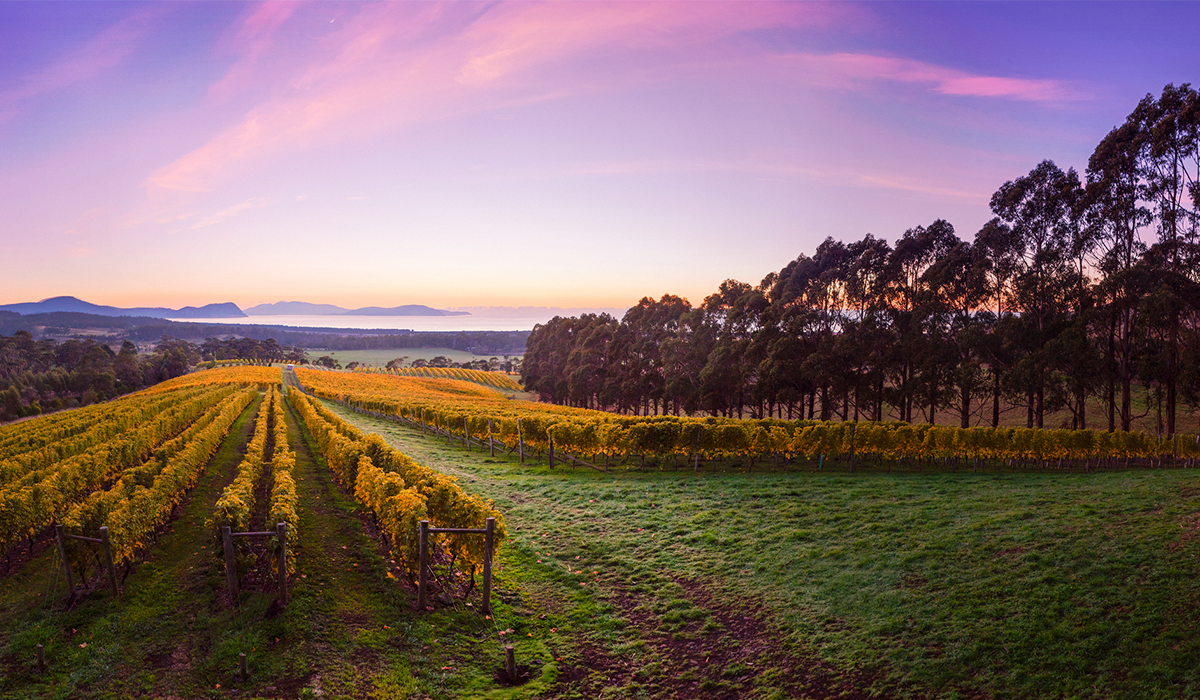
(225,310)
(303,308)
(71,304)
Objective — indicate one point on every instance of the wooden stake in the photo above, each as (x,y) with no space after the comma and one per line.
(488,537)
(551,450)
(466,434)
(108,560)
(230,566)
(422,564)
(242,667)
(62,553)
(510,662)
(520,442)
(492,443)
(281,533)
(41,659)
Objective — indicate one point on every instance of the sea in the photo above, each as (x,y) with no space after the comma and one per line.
(472,322)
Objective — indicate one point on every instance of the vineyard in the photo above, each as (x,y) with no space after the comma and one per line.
(496,380)
(795,580)
(458,410)
(398,491)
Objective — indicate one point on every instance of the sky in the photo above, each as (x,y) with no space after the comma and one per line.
(565,154)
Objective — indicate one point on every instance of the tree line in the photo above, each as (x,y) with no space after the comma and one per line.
(40,376)
(1080,288)
(148,330)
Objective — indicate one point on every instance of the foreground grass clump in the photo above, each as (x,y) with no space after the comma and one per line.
(1013,585)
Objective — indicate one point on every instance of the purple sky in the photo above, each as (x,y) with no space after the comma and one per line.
(551,154)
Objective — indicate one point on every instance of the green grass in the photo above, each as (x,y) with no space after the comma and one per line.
(380,358)
(1013,585)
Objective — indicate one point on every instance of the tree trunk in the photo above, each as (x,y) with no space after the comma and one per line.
(965,418)
(995,398)
(1041,401)
(1172,354)
(879,401)
(1112,375)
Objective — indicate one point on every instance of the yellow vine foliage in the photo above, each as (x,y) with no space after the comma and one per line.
(468,409)
(142,425)
(144,496)
(399,492)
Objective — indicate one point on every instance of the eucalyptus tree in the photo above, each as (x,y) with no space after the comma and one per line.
(791,307)
(1170,172)
(642,331)
(826,302)
(1040,208)
(729,372)
(684,356)
(807,301)
(957,285)
(866,329)
(1116,216)
(545,366)
(1000,246)
(905,293)
(589,362)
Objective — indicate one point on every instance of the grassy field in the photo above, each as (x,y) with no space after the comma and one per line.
(815,583)
(663,584)
(380,358)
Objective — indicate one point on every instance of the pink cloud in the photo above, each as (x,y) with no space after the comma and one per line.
(230,212)
(255,36)
(395,64)
(856,71)
(530,34)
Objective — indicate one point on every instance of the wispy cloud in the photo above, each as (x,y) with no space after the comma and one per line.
(861,71)
(781,171)
(230,212)
(395,64)
(103,53)
(535,34)
(254,37)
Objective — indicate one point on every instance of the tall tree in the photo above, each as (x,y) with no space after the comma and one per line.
(1040,209)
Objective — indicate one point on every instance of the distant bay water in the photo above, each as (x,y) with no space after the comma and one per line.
(473,322)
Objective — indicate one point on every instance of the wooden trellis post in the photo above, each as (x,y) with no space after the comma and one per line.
(108,560)
(424,531)
(62,554)
(279,532)
(106,546)
(230,570)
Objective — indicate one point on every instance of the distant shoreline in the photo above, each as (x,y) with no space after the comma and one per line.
(377,324)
